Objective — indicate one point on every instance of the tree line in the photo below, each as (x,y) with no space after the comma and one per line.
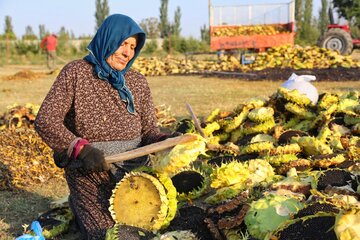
(308,27)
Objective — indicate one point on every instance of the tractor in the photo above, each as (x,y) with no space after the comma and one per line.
(338,37)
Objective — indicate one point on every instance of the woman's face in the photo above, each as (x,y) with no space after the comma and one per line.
(120,58)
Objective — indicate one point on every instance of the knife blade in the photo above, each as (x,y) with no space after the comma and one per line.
(195,120)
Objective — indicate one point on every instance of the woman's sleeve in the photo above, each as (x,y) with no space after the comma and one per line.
(49,122)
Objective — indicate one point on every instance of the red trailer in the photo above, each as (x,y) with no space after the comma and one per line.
(246,26)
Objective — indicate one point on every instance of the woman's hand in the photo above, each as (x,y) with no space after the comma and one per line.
(61,158)
(93,159)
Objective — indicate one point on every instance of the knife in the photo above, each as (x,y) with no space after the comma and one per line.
(151,148)
(196,121)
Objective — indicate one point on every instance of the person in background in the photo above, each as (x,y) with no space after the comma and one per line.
(99,106)
(49,44)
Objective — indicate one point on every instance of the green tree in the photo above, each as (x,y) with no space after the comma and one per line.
(323,16)
(9,31)
(150,47)
(307,32)
(63,34)
(102,11)
(72,35)
(176,29)
(299,11)
(306,21)
(150,27)
(164,22)
(29,34)
(64,47)
(349,9)
(308,12)
(183,45)
(205,34)
(42,31)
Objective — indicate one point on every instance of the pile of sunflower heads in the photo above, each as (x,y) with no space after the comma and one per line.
(248,30)
(295,57)
(18,116)
(165,118)
(25,158)
(276,168)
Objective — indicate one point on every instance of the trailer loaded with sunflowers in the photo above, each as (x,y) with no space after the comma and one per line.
(277,168)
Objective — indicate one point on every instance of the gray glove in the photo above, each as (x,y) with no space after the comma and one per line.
(93,159)
(61,159)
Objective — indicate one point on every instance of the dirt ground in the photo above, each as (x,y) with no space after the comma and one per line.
(332,74)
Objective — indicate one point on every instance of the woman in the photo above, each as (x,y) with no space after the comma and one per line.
(96,107)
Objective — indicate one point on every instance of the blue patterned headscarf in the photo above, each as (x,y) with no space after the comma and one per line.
(114,30)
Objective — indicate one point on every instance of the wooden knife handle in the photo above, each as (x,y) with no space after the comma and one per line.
(151,148)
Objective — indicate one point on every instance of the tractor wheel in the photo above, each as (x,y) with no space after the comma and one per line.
(337,39)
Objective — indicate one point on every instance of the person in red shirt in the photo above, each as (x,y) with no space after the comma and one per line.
(49,44)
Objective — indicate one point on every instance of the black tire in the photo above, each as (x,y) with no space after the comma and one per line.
(337,39)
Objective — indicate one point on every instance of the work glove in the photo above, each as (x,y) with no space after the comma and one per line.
(61,159)
(93,159)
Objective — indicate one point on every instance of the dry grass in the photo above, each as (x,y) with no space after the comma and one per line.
(22,206)
(203,93)
(206,94)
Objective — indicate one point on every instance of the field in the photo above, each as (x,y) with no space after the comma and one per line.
(204,93)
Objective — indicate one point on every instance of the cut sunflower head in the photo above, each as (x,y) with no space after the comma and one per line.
(267,214)
(141,200)
(181,156)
